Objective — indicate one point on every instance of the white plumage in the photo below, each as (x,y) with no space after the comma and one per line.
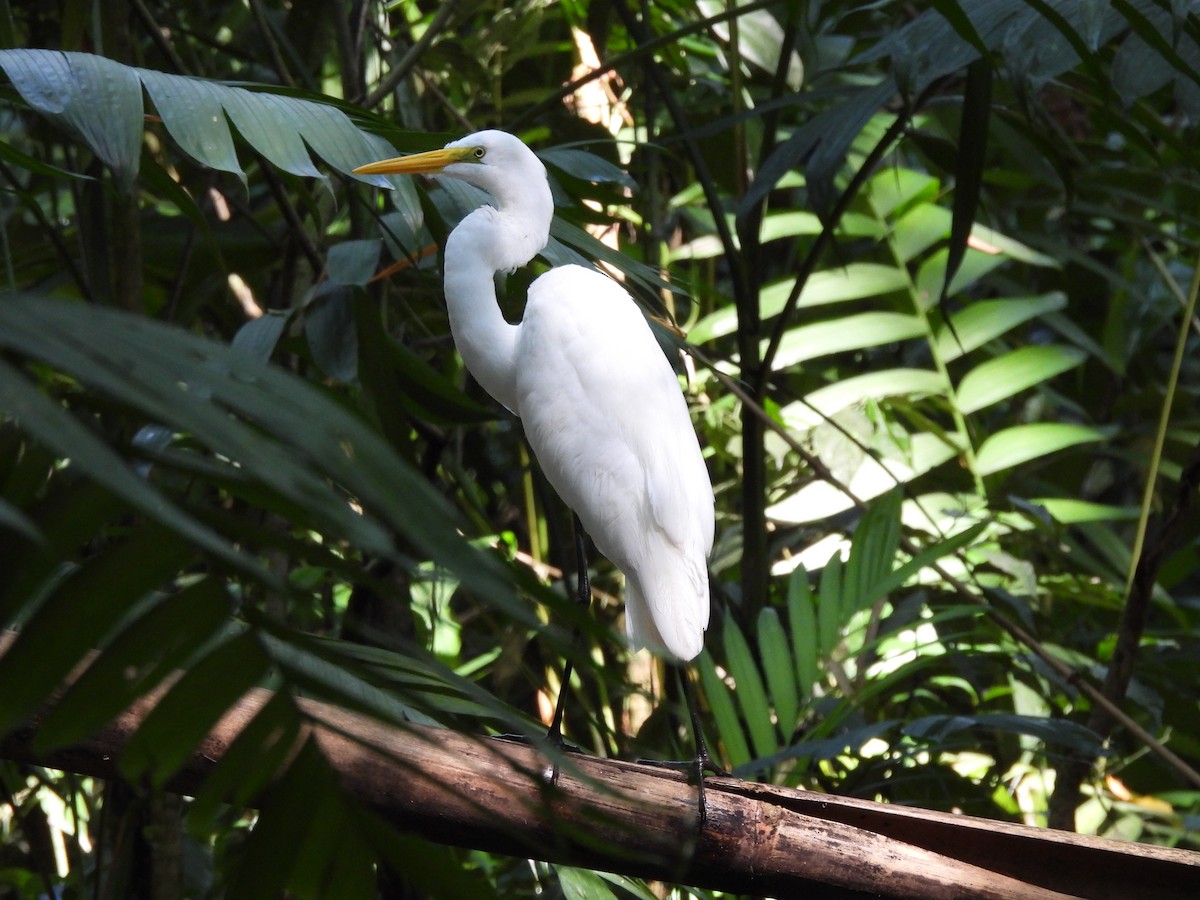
(600,405)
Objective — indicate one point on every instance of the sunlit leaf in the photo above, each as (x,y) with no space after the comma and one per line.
(895,189)
(1071,511)
(832,399)
(819,500)
(986,320)
(1005,376)
(853,332)
(873,550)
(920,228)
(852,282)
(1022,443)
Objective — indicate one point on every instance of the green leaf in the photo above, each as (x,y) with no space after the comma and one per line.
(401,384)
(102,101)
(872,551)
(751,695)
(797,223)
(826,402)
(986,320)
(729,727)
(927,557)
(173,729)
(571,244)
(429,869)
(14,520)
(894,190)
(852,282)
(818,500)
(853,332)
(582,884)
(279,429)
(1146,30)
(830,615)
(1023,443)
(1071,511)
(192,113)
(802,618)
(290,851)
(931,274)
(258,337)
(1007,375)
(953,12)
(972,153)
(353,262)
(99,99)
(137,660)
(83,609)
(311,665)
(585,166)
(268,123)
(330,329)
(1059,732)
(924,225)
(56,428)
(249,764)
(780,670)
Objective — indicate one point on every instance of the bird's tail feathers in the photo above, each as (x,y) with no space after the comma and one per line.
(668,614)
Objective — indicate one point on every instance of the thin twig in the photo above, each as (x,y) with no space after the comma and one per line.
(404,65)
(160,40)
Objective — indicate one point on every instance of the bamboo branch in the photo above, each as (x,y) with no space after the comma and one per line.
(641,820)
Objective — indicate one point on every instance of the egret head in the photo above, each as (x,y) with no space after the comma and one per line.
(495,161)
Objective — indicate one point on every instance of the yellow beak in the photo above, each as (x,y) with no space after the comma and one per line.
(419,163)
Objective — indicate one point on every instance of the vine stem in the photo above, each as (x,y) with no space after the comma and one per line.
(1164,418)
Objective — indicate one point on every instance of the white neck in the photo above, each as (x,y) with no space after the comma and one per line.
(487,241)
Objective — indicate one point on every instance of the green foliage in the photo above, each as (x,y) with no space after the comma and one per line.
(948,255)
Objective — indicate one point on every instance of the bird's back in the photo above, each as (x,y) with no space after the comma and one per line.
(605,417)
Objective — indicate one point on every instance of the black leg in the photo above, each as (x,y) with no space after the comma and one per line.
(702,762)
(583,596)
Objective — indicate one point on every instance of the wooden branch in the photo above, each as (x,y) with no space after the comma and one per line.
(641,820)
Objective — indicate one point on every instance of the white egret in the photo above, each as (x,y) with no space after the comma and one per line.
(600,404)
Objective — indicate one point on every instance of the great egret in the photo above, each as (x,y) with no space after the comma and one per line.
(600,404)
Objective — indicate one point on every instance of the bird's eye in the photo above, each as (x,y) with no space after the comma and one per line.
(480,153)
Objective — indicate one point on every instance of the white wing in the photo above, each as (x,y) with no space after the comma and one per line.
(605,417)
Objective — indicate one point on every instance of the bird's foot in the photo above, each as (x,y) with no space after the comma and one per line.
(695,769)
